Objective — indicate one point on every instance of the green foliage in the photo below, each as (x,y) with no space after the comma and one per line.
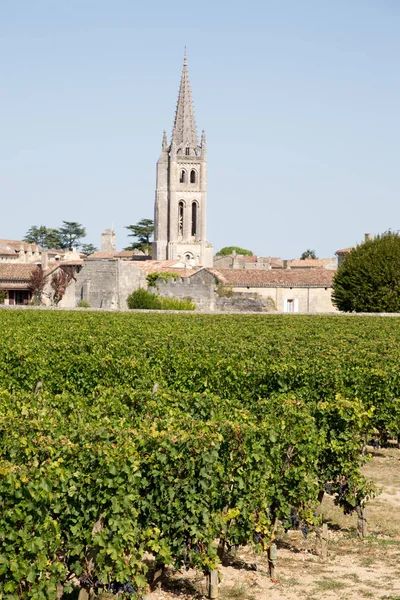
(143,299)
(83,304)
(71,234)
(3,296)
(165,276)
(228,250)
(46,237)
(88,249)
(308,254)
(143,231)
(369,279)
(252,417)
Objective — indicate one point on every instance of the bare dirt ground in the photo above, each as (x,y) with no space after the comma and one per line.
(355,569)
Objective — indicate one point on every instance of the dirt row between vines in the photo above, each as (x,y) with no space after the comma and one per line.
(355,569)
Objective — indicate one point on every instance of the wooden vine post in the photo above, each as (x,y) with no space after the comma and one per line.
(321,541)
(362,521)
(213,584)
(272,556)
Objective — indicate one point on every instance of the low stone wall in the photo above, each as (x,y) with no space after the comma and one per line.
(239,305)
(202,294)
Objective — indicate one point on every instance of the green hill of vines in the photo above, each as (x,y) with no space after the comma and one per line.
(123,434)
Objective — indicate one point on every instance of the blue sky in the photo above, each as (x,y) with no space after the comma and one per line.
(300,102)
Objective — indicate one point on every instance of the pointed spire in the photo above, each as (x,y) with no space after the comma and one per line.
(203,145)
(164,141)
(184,133)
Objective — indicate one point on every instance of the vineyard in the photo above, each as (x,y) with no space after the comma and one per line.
(178,435)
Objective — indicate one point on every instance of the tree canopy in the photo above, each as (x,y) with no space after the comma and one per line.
(228,250)
(88,249)
(308,254)
(369,278)
(71,234)
(64,238)
(46,237)
(143,232)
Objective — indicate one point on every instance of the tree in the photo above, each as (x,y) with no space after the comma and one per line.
(228,250)
(308,254)
(71,234)
(43,236)
(37,281)
(143,231)
(60,281)
(88,249)
(369,278)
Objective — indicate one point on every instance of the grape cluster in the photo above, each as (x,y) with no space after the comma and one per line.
(304,530)
(113,587)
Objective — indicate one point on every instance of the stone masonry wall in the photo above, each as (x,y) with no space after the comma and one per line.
(202,294)
(97,283)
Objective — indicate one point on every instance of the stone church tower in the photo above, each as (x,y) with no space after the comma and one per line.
(181,193)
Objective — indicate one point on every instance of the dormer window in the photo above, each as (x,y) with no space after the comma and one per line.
(187,151)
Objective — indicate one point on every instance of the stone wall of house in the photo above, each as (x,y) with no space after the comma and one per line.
(305,299)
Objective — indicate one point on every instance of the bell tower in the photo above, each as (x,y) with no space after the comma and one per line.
(181,189)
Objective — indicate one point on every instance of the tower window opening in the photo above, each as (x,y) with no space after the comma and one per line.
(182,178)
(181,207)
(193,176)
(187,151)
(194,218)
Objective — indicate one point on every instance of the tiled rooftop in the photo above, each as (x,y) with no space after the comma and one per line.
(273,278)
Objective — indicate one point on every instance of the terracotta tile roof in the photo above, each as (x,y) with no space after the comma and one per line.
(16,272)
(98,255)
(154,266)
(311,263)
(344,251)
(275,278)
(125,254)
(6,252)
(16,244)
(14,285)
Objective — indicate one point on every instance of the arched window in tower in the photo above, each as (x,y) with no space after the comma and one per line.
(192,176)
(182,178)
(181,208)
(194,218)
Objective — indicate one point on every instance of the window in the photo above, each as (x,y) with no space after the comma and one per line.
(192,176)
(187,151)
(181,207)
(291,305)
(194,218)
(182,178)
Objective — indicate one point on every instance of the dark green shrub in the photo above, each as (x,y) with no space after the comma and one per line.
(143,299)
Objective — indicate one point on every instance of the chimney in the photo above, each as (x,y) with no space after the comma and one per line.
(108,241)
(45,260)
(367,236)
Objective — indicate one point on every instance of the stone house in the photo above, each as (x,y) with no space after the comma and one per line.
(292,291)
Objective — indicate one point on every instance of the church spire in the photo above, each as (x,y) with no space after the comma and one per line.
(184,132)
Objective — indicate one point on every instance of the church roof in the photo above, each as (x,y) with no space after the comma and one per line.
(184,131)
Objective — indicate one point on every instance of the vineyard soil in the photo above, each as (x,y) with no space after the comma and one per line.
(354,570)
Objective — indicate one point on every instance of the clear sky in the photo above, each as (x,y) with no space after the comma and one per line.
(300,101)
